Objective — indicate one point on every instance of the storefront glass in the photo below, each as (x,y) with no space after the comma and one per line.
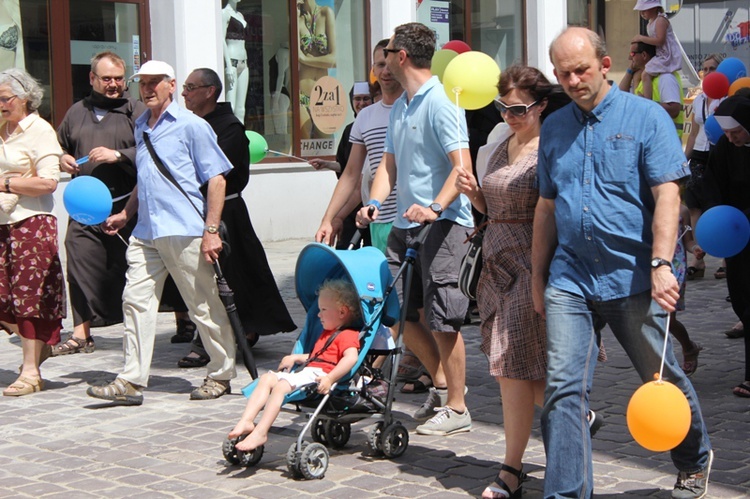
(24,42)
(497,30)
(270,70)
(96,26)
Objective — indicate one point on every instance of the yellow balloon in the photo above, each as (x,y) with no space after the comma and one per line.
(658,416)
(471,78)
(440,61)
(738,84)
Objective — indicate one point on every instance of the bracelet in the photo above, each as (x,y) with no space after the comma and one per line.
(7,185)
(375,203)
(629,71)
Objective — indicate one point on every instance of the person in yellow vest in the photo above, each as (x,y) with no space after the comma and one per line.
(667,87)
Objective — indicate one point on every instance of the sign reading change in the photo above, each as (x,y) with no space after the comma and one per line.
(328,102)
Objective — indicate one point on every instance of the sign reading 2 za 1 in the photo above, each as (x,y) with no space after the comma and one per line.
(328,104)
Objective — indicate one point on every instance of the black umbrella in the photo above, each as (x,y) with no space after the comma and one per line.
(227,298)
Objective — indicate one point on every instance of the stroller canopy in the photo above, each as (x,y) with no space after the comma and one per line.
(367,268)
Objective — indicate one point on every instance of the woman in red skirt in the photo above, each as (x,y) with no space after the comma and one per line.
(31,282)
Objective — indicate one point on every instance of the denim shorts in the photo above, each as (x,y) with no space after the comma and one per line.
(434,285)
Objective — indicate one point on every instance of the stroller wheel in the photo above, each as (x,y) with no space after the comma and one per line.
(337,434)
(373,438)
(318,431)
(292,460)
(251,458)
(313,461)
(229,450)
(394,440)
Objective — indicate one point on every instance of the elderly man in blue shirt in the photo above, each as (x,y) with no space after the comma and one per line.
(171,238)
(605,228)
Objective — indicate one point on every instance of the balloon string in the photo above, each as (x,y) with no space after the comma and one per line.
(287,155)
(122,239)
(664,350)
(458,130)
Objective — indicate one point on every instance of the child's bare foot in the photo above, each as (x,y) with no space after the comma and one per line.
(251,442)
(242,428)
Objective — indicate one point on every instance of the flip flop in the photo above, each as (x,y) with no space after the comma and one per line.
(418,386)
(742,390)
(690,359)
(188,361)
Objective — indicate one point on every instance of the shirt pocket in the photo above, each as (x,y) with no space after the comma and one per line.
(618,159)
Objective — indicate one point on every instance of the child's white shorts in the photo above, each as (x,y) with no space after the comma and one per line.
(304,377)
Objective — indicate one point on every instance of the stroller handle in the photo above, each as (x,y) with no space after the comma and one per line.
(357,237)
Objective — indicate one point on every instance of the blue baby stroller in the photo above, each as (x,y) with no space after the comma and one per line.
(362,394)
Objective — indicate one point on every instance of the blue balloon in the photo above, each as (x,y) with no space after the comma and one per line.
(87,200)
(712,129)
(723,231)
(732,68)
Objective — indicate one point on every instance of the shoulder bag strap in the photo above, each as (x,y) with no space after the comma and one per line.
(315,356)
(167,174)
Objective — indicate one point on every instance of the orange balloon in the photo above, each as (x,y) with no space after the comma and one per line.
(373,79)
(658,416)
(738,84)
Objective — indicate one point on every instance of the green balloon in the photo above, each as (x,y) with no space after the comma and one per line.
(440,61)
(258,146)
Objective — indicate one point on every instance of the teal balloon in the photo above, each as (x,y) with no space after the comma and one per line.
(258,146)
(87,200)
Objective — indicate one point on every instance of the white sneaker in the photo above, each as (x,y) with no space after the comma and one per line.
(437,397)
(446,422)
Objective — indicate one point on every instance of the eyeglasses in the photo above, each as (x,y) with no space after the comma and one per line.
(387,51)
(516,109)
(189,87)
(5,100)
(110,79)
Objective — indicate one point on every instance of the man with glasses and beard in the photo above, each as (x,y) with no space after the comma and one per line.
(98,131)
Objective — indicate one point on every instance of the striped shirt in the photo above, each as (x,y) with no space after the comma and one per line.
(369,130)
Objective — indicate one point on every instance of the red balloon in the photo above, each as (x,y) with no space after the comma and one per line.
(460,47)
(716,85)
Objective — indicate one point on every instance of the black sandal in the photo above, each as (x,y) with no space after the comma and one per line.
(188,361)
(501,488)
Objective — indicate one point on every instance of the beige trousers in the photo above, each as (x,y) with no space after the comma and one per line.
(149,262)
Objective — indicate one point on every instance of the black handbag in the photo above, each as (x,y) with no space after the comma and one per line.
(223,231)
(471,264)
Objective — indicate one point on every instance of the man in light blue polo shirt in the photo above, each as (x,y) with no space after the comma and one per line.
(425,145)
(172,238)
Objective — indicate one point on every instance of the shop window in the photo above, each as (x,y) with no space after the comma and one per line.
(96,26)
(497,30)
(293,87)
(24,43)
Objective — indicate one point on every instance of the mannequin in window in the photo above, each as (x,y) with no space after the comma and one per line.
(235,57)
(278,80)
(317,53)
(11,39)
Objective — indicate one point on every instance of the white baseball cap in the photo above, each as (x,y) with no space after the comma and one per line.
(155,68)
(647,4)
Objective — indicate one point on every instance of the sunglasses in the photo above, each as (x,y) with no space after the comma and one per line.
(387,51)
(516,109)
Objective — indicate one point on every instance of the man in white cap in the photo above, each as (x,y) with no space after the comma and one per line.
(727,180)
(172,238)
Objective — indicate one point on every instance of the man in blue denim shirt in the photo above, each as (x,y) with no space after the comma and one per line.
(605,229)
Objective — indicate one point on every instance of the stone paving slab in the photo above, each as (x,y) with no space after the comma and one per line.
(62,443)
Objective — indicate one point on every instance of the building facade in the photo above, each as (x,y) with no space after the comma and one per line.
(288,66)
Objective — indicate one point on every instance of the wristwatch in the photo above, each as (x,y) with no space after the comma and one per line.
(658,262)
(437,208)
(118,155)
(211,229)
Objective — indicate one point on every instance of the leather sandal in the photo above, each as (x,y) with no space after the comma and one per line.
(74,345)
(690,359)
(500,489)
(193,359)
(24,386)
(741,390)
(211,389)
(185,331)
(695,273)
(418,385)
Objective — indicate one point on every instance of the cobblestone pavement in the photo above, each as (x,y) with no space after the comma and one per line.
(61,443)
